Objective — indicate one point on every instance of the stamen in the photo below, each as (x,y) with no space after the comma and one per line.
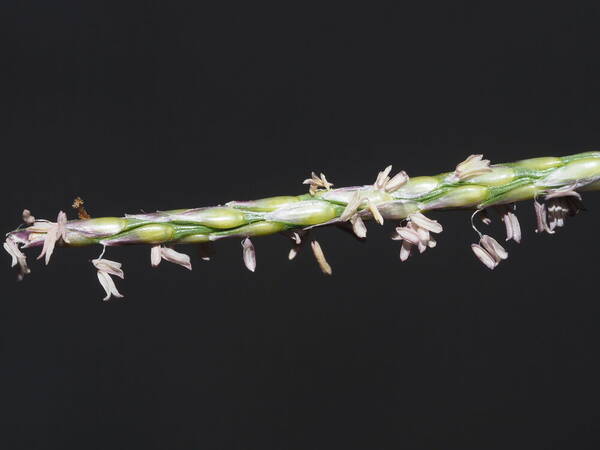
(320,257)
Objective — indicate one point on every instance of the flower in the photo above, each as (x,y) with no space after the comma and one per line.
(158,253)
(27,217)
(53,231)
(315,182)
(511,222)
(387,184)
(472,166)
(249,254)
(540,215)
(484,217)
(298,242)
(358,226)
(558,210)
(375,212)
(81,211)
(351,214)
(17,257)
(559,203)
(295,236)
(396,182)
(293,252)
(320,257)
(352,207)
(106,268)
(382,178)
(424,222)
(565,191)
(489,251)
(417,232)
(484,256)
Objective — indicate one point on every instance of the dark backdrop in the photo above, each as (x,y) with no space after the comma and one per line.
(158,105)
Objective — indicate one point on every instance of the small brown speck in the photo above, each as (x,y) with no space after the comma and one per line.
(81,212)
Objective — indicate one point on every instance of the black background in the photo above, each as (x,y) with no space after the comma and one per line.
(159,105)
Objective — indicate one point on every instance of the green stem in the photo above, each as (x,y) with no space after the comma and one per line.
(505,183)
